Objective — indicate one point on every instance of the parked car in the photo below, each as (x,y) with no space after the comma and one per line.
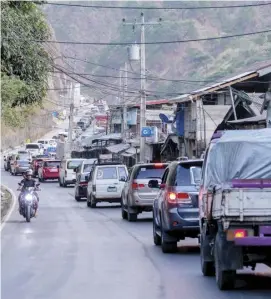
(34,148)
(105,183)
(67,176)
(49,170)
(137,196)
(175,210)
(19,167)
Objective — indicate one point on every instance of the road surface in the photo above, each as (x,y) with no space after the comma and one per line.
(71,251)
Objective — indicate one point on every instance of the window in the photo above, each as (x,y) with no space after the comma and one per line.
(51,164)
(107,173)
(183,175)
(122,172)
(32,146)
(151,172)
(164,178)
(72,164)
(87,167)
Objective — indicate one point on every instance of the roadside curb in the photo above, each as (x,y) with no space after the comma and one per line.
(12,206)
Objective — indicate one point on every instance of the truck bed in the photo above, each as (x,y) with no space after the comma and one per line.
(246,204)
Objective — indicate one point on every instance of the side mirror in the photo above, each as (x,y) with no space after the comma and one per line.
(123,179)
(153,184)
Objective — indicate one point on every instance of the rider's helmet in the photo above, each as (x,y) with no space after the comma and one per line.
(29,174)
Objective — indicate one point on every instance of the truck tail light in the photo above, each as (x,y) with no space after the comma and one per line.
(179,197)
(237,233)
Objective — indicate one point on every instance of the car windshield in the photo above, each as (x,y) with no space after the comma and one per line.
(51,163)
(183,175)
(73,164)
(32,146)
(87,167)
(107,173)
(151,171)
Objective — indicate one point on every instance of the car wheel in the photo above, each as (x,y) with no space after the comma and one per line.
(59,181)
(132,217)
(88,202)
(123,212)
(167,247)
(15,173)
(64,184)
(92,202)
(225,279)
(207,268)
(156,237)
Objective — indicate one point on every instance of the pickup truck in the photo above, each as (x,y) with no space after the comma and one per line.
(235,205)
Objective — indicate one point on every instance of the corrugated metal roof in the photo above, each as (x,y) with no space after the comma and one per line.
(116,148)
(256,70)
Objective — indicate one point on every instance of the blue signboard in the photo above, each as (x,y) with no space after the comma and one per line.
(146,132)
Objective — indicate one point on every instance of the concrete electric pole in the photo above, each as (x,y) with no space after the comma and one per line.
(124,102)
(142,24)
(69,145)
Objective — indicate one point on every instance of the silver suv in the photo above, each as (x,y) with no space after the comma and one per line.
(137,195)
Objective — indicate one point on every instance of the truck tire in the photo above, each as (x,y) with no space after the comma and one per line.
(59,181)
(207,267)
(167,247)
(88,201)
(225,279)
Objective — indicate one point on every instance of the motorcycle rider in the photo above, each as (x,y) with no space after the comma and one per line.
(28,181)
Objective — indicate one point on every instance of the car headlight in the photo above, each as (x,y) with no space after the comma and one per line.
(28,197)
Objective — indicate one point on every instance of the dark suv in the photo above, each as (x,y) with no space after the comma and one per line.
(175,210)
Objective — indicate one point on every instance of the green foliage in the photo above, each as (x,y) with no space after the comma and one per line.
(25,63)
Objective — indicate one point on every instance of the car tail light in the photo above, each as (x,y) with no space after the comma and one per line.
(136,186)
(65,173)
(94,188)
(179,197)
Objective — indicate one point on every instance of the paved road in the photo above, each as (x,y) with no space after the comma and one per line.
(71,251)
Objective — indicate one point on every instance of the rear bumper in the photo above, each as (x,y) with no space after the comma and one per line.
(51,176)
(253,241)
(20,170)
(73,181)
(141,202)
(187,223)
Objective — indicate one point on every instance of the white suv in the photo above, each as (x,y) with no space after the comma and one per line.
(105,183)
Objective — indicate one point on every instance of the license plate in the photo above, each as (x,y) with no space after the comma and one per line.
(112,189)
(53,170)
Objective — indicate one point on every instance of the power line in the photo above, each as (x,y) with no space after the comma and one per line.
(159,8)
(146,43)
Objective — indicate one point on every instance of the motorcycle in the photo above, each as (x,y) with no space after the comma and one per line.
(28,202)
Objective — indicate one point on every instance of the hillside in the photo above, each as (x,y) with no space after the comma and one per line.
(198,61)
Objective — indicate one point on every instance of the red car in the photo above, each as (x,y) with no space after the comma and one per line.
(36,164)
(49,170)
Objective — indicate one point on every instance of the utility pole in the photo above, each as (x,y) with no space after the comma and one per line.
(69,147)
(124,103)
(142,25)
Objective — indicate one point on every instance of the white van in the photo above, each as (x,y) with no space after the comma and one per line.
(34,148)
(47,143)
(106,182)
(67,176)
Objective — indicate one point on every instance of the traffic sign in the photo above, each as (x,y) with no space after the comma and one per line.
(146,132)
